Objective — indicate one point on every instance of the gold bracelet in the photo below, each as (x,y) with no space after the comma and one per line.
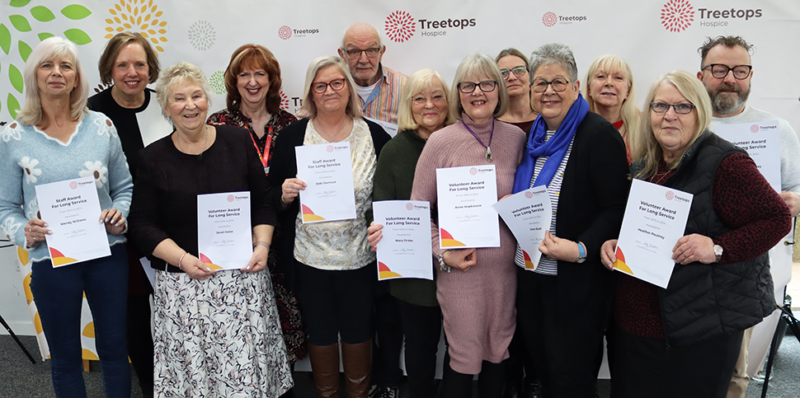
(181,260)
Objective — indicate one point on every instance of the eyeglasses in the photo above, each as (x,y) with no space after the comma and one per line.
(322,87)
(371,52)
(663,107)
(486,86)
(558,84)
(740,72)
(518,72)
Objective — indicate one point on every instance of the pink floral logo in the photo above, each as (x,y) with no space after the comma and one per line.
(670,195)
(285,32)
(409,206)
(677,15)
(284,101)
(73,185)
(754,128)
(528,194)
(399,26)
(549,19)
(329,148)
(473,171)
(230,198)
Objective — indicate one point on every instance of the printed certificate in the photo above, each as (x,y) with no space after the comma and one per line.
(224,233)
(528,214)
(466,216)
(71,209)
(327,171)
(762,141)
(655,218)
(405,249)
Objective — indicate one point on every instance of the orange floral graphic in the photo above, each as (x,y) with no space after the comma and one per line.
(140,16)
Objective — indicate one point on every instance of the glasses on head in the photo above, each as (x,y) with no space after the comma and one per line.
(740,72)
(558,84)
(371,52)
(486,86)
(322,87)
(663,107)
(519,71)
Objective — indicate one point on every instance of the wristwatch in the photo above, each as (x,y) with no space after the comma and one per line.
(581,253)
(717,253)
(442,266)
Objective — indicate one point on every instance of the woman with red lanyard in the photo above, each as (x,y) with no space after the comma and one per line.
(253,81)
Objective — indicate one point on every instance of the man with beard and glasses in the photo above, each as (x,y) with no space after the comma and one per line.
(726,71)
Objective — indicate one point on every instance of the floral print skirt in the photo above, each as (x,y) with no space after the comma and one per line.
(218,337)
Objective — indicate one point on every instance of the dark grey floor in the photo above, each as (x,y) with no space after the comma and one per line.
(19,378)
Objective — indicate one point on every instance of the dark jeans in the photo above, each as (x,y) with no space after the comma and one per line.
(59,296)
(422,327)
(388,340)
(336,303)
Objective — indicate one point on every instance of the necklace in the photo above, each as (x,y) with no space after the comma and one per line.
(332,138)
(491,135)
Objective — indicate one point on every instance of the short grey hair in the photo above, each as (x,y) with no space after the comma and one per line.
(180,72)
(353,106)
(362,25)
(554,54)
(478,64)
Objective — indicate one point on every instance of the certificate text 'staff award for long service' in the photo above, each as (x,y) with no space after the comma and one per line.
(465,196)
(327,170)
(655,218)
(71,209)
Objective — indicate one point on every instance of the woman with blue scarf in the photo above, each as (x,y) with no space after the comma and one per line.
(563,304)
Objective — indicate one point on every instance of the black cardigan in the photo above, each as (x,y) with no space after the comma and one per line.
(284,165)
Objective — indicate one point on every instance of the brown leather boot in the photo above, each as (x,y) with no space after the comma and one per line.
(325,369)
(357,360)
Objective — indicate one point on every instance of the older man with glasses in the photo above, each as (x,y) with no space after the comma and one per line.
(726,72)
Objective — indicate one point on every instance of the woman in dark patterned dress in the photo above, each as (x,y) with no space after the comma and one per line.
(253,81)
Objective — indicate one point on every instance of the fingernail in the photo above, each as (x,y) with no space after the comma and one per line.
(248,267)
(45,224)
(107,219)
(208,269)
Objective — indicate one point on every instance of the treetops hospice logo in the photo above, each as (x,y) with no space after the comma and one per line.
(409,206)
(754,128)
(529,194)
(400,26)
(670,195)
(677,15)
(285,32)
(549,19)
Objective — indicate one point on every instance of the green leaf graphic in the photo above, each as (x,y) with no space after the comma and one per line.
(42,14)
(13,105)
(20,23)
(45,35)
(77,36)
(19,3)
(76,12)
(16,77)
(24,50)
(5,39)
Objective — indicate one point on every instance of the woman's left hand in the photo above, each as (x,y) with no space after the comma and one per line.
(559,249)
(694,247)
(259,260)
(115,223)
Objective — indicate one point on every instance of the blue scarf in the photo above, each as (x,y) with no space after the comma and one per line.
(555,147)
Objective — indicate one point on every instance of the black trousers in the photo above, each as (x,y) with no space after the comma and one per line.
(336,303)
(647,367)
(566,348)
(388,341)
(422,327)
(491,380)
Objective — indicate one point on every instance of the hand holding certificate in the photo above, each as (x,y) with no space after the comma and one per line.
(465,197)
(328,172)
(71,208)
(655,218)
(405,249)
(528,214)
(224,234)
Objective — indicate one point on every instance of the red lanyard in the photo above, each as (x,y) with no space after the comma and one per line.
(264,159)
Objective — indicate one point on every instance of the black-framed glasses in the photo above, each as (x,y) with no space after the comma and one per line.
(740,72)
(558,84)
(518,71)
(321,87)
(371,52)
(682,108)
(486,86)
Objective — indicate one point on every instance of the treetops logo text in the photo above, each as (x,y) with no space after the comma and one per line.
(285,32)
(678,15)
(550,19)
(400,26)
